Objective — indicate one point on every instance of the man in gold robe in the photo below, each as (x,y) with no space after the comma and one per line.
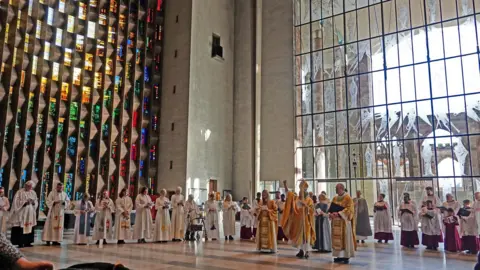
(342,215)
(267,217)
(298,220)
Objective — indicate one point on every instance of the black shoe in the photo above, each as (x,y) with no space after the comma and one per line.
(363,241)
(230,237)
(48,243)
(346,260)
(300,254)
(336,260)
(214,239)
(379,241)
(386,241)
(56,244)
(105,242)
(358,241)
(98,242)
(120,242)
(226,238)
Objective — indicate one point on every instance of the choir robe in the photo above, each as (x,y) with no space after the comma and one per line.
(57,202)
(191,213)
(452,239)
(246,222)
(323,230)
(343,237)
(122,222)
(476,211)
(211,221)
(408,224)
(455,206)
(434,198)
(82,222)
(23,218)
(298,222)
(230,209)
(362,219)
(102,228)
(468,229)
(4,206)
(254,213)
(431,227)
(382,221)
(267,218)
(162,222)
(178,217)
(281,207)
(143,227)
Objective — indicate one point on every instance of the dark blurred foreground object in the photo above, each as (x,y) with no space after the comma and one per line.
(477,266)
(12,258)
(97,266)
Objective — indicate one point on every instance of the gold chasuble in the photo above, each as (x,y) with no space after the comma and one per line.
(267,226)
(343,237)
(298,220)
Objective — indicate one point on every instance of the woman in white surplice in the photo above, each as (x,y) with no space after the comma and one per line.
(162,221)
(230,208)
(83,210)
(23,216)
(4,206)
(102,228)
(211,221)
(124,206)
(178,217)
(143,218)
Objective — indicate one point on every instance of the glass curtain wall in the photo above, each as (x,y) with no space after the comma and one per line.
(388,96)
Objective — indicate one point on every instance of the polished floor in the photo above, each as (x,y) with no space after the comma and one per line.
(236,254)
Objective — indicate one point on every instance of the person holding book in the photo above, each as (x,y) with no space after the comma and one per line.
(267,224)
(382,220)
(468,228)
(323,242)
(211,220)
(407,214)
(298,220)
(246,220)
(431,227)
(452,239)
(342,213)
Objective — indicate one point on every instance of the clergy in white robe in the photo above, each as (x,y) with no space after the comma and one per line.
(162,221)
(281,207)
(23,216)
(143,218)
(123,208)
(178,215)
(105,208)
(83,211)
(230,209)
(191,214)
(57,201)
(246,220)
(4,206)
(211,221)
(468,228)
(254,212)
(382,220)
(430,220)
(407,214)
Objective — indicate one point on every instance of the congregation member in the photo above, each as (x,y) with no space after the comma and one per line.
(57,201)
(382,220)
(267,218)
(178,215)
(407,214)
(191,217)
(123,209)
(323,242)
(431,196)
(362,229)
(254,213)
(211,221)
(230,209)
(468,228)
(4,207)
(342,214)
(246,220)
(83,210)
(23,216)
(431,227)
(298,220)
(281,207)
(452,239)
(102,228)
(143,218)
(162,222)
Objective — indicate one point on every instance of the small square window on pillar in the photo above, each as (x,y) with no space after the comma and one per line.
(217,49)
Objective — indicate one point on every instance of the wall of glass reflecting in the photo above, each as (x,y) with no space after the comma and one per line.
(388,96)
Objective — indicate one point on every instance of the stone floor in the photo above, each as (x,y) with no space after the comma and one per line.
(222,255)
